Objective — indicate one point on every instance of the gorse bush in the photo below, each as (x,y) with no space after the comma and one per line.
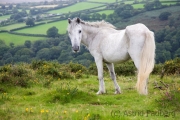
(25,74)
(18,75)
(126,68)
(172,67)
(56,70)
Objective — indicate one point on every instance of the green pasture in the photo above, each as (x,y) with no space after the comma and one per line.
(103,1)
(4,17)
(107,12)
(137,6)
(17,39)
(76,7)
(43,101)
(42,29)
(9,27)
(129,2)
(168,3)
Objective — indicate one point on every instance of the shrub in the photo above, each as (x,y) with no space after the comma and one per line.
(172,67)
(157,69)
(75,67)
(126,68)
(164,16)
(56,70)
(17,75)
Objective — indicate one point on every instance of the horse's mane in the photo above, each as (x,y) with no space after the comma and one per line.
(98,24)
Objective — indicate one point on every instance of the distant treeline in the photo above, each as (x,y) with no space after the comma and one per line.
(52,49)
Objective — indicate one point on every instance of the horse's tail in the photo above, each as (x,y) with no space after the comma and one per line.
(146,63)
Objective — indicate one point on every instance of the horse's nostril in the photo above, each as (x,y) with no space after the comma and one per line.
(75,48)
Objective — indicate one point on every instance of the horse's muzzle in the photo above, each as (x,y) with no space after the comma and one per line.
(75,48)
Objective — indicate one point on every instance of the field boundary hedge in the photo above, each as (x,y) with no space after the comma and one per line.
(26,34)
(15,29)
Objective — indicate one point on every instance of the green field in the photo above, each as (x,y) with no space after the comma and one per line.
(4,17)
(42,29)
(104,1)
(107,12)
(137,6)
(51,98)
(129,2)
(169,3)
(76,7)
(9,27)
(17,39)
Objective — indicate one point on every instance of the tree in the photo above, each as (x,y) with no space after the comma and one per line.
(164,15)
(3,6)
(157,4)
(10,6)
(52,32)
(3,48)
(27,43)
(30,22)
(149,6)
(124,11)
(104,16)
(44,54)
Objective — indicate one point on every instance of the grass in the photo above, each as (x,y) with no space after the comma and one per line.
(75,99)
(42,29)
(129,2)
(9,27)
(17,39)
(104,1)
(137,6)
(4,17)
(107,12)
(76,7)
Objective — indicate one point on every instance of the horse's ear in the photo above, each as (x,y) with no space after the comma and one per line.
(69,20)
(78,20)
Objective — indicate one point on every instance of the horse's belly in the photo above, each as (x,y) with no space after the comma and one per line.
(115,48)
(116,57)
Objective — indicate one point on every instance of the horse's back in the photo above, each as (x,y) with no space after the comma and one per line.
(136,28)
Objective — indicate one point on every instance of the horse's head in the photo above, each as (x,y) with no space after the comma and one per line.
(75,33)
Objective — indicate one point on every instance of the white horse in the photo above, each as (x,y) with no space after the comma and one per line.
(106,44)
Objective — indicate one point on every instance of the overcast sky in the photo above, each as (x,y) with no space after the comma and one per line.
(17,1)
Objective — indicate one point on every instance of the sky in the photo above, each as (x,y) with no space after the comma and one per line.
(17,1)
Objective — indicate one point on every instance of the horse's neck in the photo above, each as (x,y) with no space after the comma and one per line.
(88,34)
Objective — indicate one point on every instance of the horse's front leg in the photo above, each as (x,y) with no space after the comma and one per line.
(113,77)
(99,65)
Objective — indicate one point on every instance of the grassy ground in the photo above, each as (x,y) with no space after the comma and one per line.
(42,29)
(9,27)
(76,7)
(107,12)
(104,1)
(137,6)
(4,17)
(17,39)
(151,18)
(75,99)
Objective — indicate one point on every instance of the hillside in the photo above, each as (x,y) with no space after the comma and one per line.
(20,1)
(151,18)
(23,43)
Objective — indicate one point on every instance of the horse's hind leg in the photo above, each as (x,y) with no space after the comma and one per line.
(113,77)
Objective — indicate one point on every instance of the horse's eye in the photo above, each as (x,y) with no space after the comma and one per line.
(79,31)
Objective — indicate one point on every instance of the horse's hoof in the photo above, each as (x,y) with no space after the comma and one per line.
(100,92)
(117,91)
